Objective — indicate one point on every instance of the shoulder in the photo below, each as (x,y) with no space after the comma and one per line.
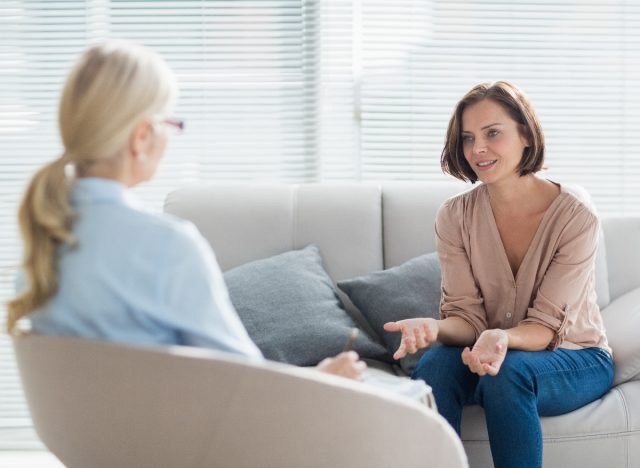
(576,209)
(455,215)
(169,235)
(459,206)
(576,224)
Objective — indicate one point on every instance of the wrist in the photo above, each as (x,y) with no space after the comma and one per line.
(501,336)
(514,339)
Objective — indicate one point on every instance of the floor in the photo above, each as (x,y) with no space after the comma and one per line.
(28,459)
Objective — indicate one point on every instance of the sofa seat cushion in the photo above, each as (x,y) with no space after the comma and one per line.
(406,291)
(622,323)
(597,434)
(291,309)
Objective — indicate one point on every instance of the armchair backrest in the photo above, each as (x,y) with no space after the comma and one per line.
(105,405)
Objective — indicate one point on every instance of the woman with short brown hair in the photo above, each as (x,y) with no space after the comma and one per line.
(521,330)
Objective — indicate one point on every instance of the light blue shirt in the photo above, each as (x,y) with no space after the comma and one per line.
(140,278)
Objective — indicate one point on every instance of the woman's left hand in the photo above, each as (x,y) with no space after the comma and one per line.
(488,352)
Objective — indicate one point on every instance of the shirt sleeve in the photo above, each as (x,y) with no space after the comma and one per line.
(461,296)
(565,287)
(196,300)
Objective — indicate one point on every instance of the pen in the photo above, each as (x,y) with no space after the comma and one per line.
(351,340)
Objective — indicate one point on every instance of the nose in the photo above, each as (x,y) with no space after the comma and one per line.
(479,146)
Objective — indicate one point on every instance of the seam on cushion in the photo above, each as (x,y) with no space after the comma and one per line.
(294,217)
(626,417)
(624,405)
(604,435)
(553,440)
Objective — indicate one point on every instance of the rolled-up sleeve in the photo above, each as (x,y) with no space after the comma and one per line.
(461,296)
(569,278)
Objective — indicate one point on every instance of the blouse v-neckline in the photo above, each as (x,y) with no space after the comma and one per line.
(534,240)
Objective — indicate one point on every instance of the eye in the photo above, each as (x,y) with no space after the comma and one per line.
(492,132)
(467,138)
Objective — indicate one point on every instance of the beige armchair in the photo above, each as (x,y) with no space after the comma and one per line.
(96,404)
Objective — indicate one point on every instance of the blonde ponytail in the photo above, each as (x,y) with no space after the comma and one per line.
(45,219)
(110,90)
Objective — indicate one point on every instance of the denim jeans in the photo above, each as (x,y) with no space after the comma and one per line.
(529,385)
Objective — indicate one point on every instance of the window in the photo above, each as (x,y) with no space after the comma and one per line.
(307,90)
(248,87)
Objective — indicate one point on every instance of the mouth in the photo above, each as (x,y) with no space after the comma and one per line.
(486,165)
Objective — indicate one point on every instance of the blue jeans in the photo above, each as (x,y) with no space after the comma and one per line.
(529,385)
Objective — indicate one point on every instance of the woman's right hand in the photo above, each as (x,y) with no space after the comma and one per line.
(417,333)
(346,364)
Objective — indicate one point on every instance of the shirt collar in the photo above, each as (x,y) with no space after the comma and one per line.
(88,190)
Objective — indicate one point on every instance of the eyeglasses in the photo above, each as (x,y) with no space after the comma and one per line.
(176,124)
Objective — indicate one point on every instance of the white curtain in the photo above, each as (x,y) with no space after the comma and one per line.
(312,90)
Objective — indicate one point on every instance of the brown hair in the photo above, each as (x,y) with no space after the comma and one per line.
(514,101)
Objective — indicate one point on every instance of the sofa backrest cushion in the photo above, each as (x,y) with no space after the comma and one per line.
(408,217)
(246,222)
(622,234)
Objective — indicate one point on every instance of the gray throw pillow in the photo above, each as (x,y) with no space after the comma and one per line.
(292,311)
(407,291)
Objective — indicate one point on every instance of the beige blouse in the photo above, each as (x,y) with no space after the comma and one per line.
(555,283)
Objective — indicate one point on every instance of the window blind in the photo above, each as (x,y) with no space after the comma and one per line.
(306,90)
(247,70)
(577,60)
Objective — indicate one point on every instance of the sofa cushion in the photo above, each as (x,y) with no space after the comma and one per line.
(622,322)
(291,310)
(406,291)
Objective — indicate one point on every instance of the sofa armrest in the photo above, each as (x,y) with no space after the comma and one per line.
(622,241)
(622,322)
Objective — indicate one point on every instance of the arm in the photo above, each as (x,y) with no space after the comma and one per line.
(461,306)
(568,283)
(461,297)
(529,337)
(455,331)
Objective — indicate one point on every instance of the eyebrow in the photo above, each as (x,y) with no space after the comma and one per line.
(485,127)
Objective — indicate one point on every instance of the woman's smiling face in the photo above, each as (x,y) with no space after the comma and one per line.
(491,141)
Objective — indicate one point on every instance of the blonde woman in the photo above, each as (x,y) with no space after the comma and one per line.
(521,329)
(96,264)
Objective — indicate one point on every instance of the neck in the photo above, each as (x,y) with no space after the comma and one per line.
(514,193)
(113,169)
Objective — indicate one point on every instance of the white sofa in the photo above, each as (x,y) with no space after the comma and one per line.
(365,227)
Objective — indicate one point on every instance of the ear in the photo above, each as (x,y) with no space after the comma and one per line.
(141,139)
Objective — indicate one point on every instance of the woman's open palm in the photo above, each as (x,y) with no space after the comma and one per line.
(417,333)
(488,352)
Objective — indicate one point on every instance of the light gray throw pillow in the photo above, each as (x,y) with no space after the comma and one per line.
(407,291)
(292,311)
